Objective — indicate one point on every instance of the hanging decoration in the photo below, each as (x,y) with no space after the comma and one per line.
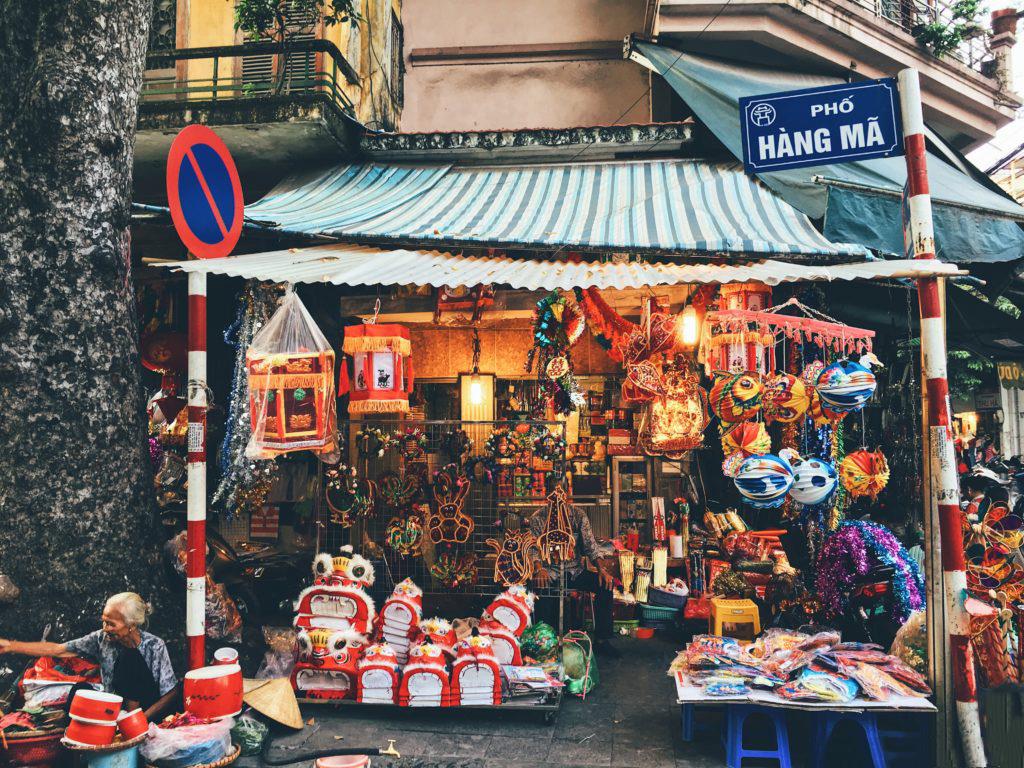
(845,386)
(864,473)
(764,480)
(549,446)
(291,385)
(515,557)
(608,327)
(557,326)
(381,376)
(991,544)
(348,497)
(742,335)
(256,303)
(748,438)
(454,571)
(447,523)
(372,442)
(675,423)
(411,443)
(735,397)
(785,398)
(850,553)
(557,543)
(814,481)
(456,443)
(404,535)
(396,491)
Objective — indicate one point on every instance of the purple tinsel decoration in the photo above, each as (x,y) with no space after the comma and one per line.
(156,452)
(851,551)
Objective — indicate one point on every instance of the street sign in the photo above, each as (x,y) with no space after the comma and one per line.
(204,193)
(820,126)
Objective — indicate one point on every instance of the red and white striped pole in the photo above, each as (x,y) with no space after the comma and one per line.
(944,506)
(195,568)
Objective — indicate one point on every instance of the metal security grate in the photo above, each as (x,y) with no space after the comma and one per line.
(492,504)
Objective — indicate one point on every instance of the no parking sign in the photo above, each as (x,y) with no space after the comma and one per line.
(204,193)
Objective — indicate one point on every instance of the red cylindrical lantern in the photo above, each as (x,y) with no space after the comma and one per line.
(381,375)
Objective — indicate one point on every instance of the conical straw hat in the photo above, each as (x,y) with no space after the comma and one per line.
(275,699)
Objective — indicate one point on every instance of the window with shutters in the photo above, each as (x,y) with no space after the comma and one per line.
(260,69)
(397,74)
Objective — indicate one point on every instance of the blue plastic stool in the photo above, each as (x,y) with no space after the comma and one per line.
(825,722)
(735,752)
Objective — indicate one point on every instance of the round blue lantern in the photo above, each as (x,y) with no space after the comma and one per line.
(814,481)
(845,386)
(764,480)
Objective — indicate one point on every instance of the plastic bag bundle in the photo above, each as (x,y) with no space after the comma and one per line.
(187,745)
(249,734)
(291,385)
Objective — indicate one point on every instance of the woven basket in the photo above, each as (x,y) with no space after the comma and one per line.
(226,760)
(39,750)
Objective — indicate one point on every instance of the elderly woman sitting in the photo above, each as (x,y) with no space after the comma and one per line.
(133,663)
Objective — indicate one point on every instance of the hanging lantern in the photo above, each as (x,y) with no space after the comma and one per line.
(864,473)
(735,397)
(749,438)
(676,422)
(846,386)
(764,480)
(814,481)
(785,398)
(381,375)
(820,415)
(738,347)
(291,384)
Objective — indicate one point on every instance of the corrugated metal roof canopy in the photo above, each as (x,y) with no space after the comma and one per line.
(672,206)
(357,265)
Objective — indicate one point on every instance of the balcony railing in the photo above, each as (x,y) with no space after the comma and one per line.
(251,71)
(973,51)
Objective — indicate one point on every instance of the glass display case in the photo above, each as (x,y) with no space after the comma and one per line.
(631,497)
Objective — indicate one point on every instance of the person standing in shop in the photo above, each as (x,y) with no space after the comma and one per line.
(585,573)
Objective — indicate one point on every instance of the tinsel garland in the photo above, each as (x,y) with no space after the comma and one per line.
(838,454)
(851,551)
(243,483)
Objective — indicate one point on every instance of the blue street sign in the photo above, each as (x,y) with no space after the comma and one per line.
(820,126)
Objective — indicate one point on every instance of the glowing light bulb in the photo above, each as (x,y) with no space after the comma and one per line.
(476,390)
(688,327)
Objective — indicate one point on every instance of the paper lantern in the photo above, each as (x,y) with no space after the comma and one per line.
(735,397)
(864,473)
(814,481)
(290,368)
(381,375)
(749,438)
(676,422)
(513,608)
(764,480)
(737,347)
(785,398)
(504,642)
(846,386)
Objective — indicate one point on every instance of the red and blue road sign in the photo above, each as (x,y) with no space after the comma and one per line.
(204,193)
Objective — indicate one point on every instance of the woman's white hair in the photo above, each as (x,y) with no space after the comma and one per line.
(132,607)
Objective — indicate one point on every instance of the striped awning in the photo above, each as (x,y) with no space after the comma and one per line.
(666,206)
(355,265)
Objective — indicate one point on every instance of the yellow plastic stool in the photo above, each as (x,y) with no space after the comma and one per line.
(730,618)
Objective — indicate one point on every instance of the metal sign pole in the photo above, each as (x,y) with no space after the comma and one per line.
(944,503)
(195,596)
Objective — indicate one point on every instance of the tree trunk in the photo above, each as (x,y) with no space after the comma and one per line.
(77,520)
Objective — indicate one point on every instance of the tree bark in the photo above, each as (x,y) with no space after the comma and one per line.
(77,520)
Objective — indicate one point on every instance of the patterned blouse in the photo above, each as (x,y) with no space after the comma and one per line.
(100,649)
(586,544)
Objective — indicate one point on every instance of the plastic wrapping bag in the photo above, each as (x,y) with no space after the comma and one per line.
(579,663)
(279,660)
(223,621)
(911,643)
(249,733)
(291,385)
(48,682)
(187,745)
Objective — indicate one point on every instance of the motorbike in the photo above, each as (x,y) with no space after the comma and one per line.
(263,583)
